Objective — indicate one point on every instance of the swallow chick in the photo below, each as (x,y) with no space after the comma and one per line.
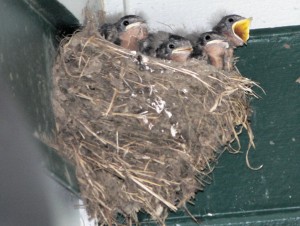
(166,46)
(216,49)
(235,29)
(126,32)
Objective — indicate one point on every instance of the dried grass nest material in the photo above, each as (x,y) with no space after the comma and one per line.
(143,133)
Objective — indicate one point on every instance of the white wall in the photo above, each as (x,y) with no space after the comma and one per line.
(199,14)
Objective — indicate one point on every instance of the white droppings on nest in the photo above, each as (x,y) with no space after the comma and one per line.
(133,95)
(169,114)
(185,90)
(145,119)
(150,126)
(173,129)
(152,90)
(143,116)
(158,104)
(145,59)
(142,59)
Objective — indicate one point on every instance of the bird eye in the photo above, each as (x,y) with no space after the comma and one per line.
(125,22)
(207,37)
(171,46)
(230,20)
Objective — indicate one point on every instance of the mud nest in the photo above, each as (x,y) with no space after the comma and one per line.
(143,133)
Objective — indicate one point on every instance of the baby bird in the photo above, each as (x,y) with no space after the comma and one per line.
(235,29)
(216,49)
(219,44)
(166,46)
(126,32)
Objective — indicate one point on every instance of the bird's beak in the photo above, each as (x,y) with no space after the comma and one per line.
(181,54)
(241,29)
(218,42)
(136,24)
(183,49)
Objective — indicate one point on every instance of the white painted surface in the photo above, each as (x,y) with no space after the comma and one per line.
(67,209)
(198,14)
(75,7)
(63,204)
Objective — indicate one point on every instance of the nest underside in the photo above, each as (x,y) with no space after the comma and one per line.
(143,133)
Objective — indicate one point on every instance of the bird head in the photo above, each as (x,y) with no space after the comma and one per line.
(211,38)
(131,22)
(175,48)
(210,43)
(235,28)
(131,30)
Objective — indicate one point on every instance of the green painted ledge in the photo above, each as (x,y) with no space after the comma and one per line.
(237,195)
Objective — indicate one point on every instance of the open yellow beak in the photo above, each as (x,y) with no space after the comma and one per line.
(241,29)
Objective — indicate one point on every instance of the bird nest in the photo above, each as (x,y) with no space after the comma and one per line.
(143,133)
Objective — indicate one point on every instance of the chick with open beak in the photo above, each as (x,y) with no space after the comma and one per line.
(215,49)
(235,29)
(126,32)
(167,46)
